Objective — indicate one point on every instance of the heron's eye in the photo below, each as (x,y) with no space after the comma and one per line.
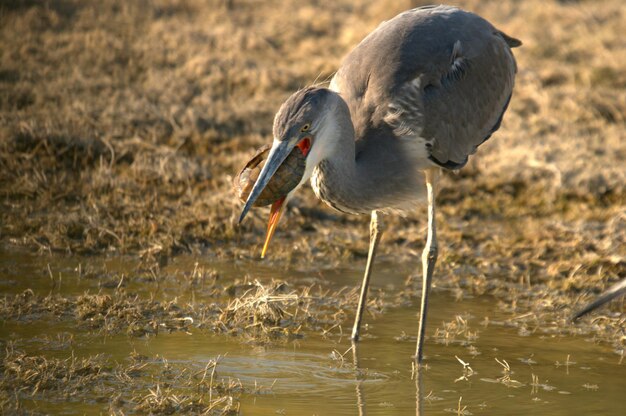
(306,127)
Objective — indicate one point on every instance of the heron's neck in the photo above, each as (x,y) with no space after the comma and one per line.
(336,179)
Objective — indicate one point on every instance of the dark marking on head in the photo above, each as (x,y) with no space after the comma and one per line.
(301,107)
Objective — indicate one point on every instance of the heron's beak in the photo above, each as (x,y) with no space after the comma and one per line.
(275,213)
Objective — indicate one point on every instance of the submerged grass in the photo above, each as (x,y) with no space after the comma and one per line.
(38,373)
(261,314)
(154,386)
(105,313)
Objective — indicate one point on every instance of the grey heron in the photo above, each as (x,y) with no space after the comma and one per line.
(418,94)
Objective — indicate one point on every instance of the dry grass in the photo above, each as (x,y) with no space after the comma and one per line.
(124,123)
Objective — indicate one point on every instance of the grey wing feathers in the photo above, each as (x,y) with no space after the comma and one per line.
(437,73)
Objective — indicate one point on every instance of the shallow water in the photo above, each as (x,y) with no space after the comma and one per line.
(308,375)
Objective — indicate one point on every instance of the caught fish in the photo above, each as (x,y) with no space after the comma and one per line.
(286,178)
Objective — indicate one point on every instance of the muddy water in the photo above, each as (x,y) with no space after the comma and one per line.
(549,375)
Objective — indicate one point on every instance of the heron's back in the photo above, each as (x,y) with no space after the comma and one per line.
(435,77)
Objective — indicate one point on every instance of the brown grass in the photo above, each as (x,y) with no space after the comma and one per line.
(124,123)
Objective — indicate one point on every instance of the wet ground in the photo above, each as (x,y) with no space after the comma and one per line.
(170,355)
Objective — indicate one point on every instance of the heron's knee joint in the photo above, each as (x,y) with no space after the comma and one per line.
(430,253)
(376,226)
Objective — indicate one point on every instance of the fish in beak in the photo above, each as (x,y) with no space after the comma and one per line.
(279,152)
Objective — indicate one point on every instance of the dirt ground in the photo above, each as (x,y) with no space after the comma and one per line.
(122,125)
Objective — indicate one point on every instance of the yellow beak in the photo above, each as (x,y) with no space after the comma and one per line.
(275,213)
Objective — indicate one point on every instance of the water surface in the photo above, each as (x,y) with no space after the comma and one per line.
(321,375)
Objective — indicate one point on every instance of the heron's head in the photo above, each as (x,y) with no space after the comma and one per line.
(300,122)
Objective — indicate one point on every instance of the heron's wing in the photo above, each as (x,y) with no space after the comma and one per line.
(439,74)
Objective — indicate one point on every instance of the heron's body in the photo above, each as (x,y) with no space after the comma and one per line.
(424,90)
(420,93)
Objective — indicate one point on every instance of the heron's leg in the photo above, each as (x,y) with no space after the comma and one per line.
(429,258)
(375,232)
(419,396)
(360,398)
